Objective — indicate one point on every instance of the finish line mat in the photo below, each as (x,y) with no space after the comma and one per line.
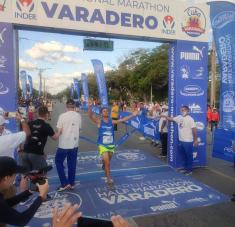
(151,192)
(90,161)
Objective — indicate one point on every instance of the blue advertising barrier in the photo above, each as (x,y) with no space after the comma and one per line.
(222,16)
(145,193)
(222,144)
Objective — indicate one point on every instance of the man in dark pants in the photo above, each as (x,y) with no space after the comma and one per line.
(163,130)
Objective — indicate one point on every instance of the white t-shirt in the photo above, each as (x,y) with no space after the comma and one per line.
(162,119)
(70,122)
(185,126)
(8,143)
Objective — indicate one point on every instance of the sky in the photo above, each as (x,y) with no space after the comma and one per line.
(62,57)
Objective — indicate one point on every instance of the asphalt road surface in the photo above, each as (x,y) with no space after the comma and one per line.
(218,174)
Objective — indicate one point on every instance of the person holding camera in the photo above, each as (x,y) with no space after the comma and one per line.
(9,215)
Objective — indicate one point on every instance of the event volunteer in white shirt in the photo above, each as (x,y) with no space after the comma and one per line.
(187,137)
(68,125)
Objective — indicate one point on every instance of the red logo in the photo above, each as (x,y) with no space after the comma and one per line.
(2,5)
(25,5)
(168,22)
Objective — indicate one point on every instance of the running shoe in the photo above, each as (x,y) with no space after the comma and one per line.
(61,188)
(188,173)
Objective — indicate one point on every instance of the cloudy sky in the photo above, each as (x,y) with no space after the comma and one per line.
(62,57)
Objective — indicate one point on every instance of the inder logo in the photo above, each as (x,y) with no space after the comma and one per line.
(25,9)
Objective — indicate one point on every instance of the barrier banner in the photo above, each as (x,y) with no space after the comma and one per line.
(72,91)
(222,144)
(85,89)
(23,81)
(30,86)
(7,73)
(101,82)
(77,88)
(223,22)
(188,86)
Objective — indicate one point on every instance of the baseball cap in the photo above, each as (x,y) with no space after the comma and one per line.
(8,167)
(2,120)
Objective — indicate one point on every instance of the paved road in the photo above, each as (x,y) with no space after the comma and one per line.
(218,174)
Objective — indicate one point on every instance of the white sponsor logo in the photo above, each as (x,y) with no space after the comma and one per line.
(197,55)
(195,108)
(195,155)
(228,101)
(197,200)
(166,205)
(192,90)
(2,40)
(3,90)
(200,126)
(199,73)
(228,149)
(185,71)
(200,143)
(2,61)
(223,19)
(131,156)
(135,124)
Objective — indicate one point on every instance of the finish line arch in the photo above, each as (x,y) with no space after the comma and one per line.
(185,26)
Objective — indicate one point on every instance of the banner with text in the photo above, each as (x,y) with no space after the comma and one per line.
(7,73)
(77,88)
(188,77)
(158,19)
(223,23)
(100,81)
(85,89)
(72,91)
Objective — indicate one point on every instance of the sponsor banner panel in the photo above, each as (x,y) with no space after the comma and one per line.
(155,19)
(222,144)
(85,89)
(223,23)
(189,81)
(7,74)
(131,195)
(77,87)
(23,82)
(30,80)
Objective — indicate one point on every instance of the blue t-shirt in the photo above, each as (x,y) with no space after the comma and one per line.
(106,133)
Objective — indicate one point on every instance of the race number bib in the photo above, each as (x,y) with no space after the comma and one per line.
(107,139)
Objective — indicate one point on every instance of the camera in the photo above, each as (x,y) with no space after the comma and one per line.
(38,176)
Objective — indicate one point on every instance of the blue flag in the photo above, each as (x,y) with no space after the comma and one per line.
(30,85)
(85,88)
(23,80)
(100,80)
(77,87)
(72,91)
(223,24)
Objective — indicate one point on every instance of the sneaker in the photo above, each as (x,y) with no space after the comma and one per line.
(188,173)
(61,188)
(162,156)
(181,171)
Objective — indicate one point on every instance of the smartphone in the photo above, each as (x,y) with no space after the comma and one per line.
(92,222)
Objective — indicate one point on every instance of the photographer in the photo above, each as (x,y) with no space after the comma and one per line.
(8,215)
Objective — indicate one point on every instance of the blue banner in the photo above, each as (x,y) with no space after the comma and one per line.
(85,89)
(222,144)
(100,80)
(8,89)
(72,91)
(23,81)
(77,88)
(188,77)
(223,23)
(30,80)
(40,86)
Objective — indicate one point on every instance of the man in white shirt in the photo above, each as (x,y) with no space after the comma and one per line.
(68,125)
(163,130)
(187,137)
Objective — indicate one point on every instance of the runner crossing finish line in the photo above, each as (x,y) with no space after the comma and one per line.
(105,141)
